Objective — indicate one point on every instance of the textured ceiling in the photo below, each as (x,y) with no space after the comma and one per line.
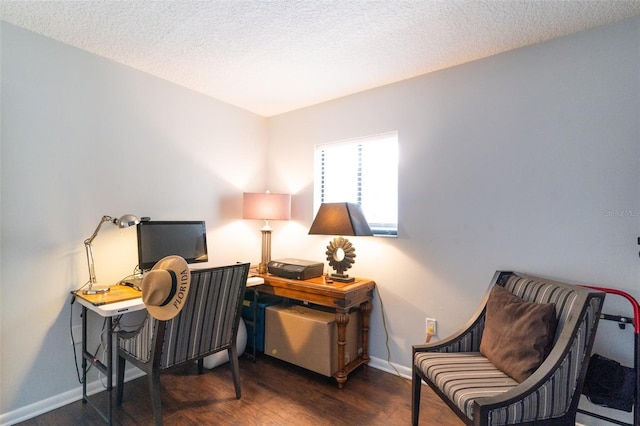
(273,56)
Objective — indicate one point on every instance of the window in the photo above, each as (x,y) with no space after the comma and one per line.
(363,171)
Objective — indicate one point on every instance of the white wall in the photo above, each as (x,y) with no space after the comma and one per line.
(84,137)
(526,161)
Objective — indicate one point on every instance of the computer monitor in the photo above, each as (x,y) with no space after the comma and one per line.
(158,239)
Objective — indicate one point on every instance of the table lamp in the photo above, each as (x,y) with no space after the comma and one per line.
(266,206)
(124,222)
(340,219)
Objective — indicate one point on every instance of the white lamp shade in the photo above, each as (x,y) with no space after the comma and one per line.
(266,206)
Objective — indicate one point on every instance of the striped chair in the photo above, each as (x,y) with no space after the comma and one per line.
(480,394)
(208,323)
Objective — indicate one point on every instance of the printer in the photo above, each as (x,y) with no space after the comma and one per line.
(296,269)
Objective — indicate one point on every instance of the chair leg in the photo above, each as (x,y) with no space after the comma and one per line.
(235,368)
(200,365)
(416,387)
(154,388)
(120,379)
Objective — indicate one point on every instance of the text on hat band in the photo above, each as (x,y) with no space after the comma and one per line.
(184,277)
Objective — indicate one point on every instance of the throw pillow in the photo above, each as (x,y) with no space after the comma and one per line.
(518,335)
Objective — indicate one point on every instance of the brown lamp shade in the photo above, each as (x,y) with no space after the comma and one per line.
(340,219)
(266,206)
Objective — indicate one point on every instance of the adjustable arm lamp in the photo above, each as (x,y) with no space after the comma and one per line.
(124,222)
(266,206)
(340,219)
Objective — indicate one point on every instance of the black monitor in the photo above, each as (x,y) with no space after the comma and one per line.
(157,239)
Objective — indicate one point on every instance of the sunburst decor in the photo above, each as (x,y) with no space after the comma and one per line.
(341,254)
(340,219)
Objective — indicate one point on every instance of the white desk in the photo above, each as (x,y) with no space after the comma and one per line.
(132,305)
(103,307)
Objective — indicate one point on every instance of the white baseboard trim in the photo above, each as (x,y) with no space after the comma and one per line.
(389,367)
(50,404)
(37,408)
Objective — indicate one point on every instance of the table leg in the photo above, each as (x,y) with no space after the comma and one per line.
(89,360)
(110,371)
(365,314)
(84,358)
(342,319)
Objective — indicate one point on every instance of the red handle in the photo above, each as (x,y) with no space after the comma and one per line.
(634,303)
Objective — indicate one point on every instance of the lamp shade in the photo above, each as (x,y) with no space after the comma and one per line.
(266,206)
(126,221)
(340,219)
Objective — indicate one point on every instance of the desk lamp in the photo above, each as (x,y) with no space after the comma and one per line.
(124,222)
(266,206)
(340,219)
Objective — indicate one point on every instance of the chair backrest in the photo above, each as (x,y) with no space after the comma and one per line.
(209,321)
(566,297)
(561,376)
(534,289)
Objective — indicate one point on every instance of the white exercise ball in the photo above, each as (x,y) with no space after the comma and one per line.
(222,357)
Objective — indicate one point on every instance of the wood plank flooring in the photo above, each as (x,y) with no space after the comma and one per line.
(273,393)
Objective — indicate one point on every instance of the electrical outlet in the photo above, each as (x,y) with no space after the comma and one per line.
(76,332)
(431,326)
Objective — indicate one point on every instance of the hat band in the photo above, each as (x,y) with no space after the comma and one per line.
(174,287)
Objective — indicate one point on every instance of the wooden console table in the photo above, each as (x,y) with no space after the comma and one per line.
(343,297)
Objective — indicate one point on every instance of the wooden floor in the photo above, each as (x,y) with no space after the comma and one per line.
(273,393)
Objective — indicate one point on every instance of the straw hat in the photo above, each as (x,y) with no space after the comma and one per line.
(165,287)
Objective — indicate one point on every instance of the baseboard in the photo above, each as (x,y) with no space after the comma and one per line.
(50,404)
(389,367)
